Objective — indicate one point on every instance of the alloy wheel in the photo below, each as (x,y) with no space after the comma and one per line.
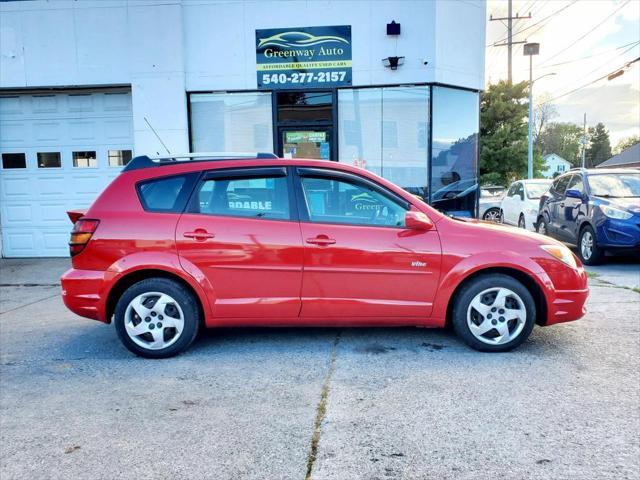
(154,320)
(542,227)
(496,316)
(492,215)
(586,245)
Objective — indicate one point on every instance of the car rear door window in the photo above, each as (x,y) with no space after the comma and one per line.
(336,200)
(254,195)
(166,194)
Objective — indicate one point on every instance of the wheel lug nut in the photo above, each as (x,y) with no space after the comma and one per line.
(501,311)
(493,309)
(153,314)
(493,322)
(159,325)
(152,326)
(501,319)
(489,315)
(160,317)
(147,319)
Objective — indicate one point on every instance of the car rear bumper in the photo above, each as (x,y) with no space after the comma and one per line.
(81,293)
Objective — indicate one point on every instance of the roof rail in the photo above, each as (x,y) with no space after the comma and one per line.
(145,161)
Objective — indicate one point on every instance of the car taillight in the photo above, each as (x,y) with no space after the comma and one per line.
(82,231)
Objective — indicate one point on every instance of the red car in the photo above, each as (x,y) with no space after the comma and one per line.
(172,246)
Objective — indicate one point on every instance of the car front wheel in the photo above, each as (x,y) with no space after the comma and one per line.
(157,318)
(492,215)
(494,313)
(588,250)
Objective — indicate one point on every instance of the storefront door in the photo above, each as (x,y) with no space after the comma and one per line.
(301,142)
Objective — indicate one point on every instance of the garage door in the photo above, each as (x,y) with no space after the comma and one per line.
(59,150)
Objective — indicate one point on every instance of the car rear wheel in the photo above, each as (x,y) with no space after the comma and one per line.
(492,215)
(494,313)
(588,250)
(521,222)
(157,318)
(541,228)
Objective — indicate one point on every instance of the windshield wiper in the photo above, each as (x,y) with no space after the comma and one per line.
(606,195)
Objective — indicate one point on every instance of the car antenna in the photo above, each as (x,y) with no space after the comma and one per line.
(158,136)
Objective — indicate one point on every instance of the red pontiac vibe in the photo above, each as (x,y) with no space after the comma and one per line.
(172,246)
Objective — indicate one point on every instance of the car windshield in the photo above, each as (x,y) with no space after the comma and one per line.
(615,185)
(536,190)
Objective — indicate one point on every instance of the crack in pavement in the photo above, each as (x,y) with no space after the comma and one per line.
(28,304)
(321,410)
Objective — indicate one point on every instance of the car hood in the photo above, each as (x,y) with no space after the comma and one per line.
(632,204)
(513,232)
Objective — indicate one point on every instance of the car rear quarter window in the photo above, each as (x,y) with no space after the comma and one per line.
(166,194)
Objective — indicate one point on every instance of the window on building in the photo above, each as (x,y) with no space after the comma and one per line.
(338,201)
(86,159)
(231,122)
(454,154)
(258,197)
(305,106)
(14,160)
(49,160)
(119,158)
(384,130)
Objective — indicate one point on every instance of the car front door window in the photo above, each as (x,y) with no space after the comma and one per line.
(334,200)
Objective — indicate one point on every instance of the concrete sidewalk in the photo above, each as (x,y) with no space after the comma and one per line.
(32,271)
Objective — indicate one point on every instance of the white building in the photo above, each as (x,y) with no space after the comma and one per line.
(555,164)
(85,84)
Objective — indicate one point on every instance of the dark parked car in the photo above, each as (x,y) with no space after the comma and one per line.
(597,210)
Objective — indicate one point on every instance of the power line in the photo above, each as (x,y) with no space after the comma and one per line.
(626,65)
(586,34)
(632,44)
(539,22)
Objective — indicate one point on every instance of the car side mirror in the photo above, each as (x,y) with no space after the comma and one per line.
(417,221)
(573,194)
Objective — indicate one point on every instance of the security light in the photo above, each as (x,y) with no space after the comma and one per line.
(393,28)
(393,62)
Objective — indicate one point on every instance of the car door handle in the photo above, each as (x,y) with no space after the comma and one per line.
(562,205)
(198,234)
(321,240)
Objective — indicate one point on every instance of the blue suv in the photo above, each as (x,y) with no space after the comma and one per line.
(597,210)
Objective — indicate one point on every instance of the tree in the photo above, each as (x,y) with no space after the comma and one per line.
(503,134)
(599,148)
(542,115)
(564,139)
(626,142)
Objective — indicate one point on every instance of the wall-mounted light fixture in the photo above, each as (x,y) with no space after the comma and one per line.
(393,28)
(393,62)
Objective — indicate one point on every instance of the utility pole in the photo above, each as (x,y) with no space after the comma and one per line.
(509,43)
(584,140)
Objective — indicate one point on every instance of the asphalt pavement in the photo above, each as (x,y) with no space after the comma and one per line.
(371,403)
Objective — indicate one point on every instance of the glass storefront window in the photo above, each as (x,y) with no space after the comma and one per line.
(385,131)
(454,153)
(231,122)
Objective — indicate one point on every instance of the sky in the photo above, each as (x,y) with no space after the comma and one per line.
(580,41)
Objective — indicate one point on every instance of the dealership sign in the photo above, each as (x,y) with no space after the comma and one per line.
(303,57)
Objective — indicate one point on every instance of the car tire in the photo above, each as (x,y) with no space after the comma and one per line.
(501,217)
(509,321)
(588,250)
(521,222)
(157,318)
(492,215)
(542,226)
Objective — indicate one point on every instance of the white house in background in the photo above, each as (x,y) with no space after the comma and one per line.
(555,163)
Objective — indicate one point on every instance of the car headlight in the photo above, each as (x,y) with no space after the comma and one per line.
(616,213)
(561,253)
